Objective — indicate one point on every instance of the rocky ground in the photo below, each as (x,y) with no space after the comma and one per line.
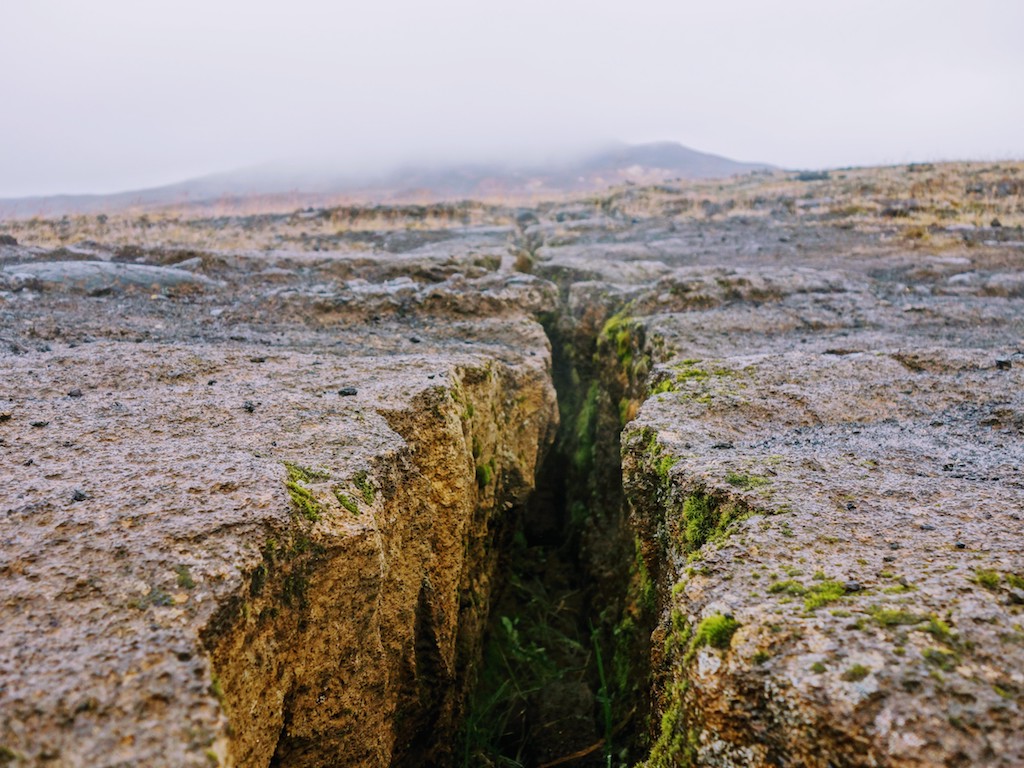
(263,476)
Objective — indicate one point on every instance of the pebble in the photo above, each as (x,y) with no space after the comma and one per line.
(75,393)
(39,424)
(348,391)
(1003,364)
(257,359)
(79,495)
(960,545)
(852,586)
(927,527)
(249,406)
(6,416)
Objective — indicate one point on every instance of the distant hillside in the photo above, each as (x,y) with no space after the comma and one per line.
(273,187)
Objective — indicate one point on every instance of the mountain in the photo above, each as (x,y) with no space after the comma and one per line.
(275,187)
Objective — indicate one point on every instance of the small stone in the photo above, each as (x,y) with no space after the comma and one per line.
(75,393)
(211,382)
(1003,364)
(79,495)
(1016,596)
(5,416)
(257,359)
(850,505)
(927,527)
(39,424)
(722,446)
(348,391)
(249,406)
(852,586)
(894,545)
(996,224)
(960,545)
(8,240)
(414,339)
(888,559)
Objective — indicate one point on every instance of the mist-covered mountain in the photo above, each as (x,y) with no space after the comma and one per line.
(282,186)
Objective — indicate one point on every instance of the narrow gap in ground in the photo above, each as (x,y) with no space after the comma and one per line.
(564,673)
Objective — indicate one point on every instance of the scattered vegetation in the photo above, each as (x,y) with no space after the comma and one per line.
(346,502)
(856,673)
(715,631)
(303,499)
(184,577)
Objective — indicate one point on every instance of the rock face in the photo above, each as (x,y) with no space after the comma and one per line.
(257,505)
(210,555)
(835,525)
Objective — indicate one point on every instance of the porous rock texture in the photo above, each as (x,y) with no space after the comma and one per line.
(252,501)
(243,525)
(822,454)
(824,473)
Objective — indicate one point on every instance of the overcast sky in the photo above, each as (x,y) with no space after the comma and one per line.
(118,94)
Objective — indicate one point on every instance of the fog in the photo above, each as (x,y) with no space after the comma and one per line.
(121,94)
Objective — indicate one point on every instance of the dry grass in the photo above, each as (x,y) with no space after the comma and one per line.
(916,204)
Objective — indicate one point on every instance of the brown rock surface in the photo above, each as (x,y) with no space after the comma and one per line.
(165,601)
(253,501)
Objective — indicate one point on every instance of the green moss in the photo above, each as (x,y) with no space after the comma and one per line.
(346,502)
(367,490)
(304,474)
(484,474)
(585,426)
(1015,581)
(940,657)
(788,587)
(302,498)
(823,593)
(715,631)
(216,690)
(185,580)
(818,668)
(665,385)
(155,596)
(856,673)
(892,617)
(745,481)
(898,589)
(987,579)
(677,744)
(761,657)
(687,371)
(938,629)
(706,519)
(304,501)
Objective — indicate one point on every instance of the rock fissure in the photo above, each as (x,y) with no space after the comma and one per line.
(324,508)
